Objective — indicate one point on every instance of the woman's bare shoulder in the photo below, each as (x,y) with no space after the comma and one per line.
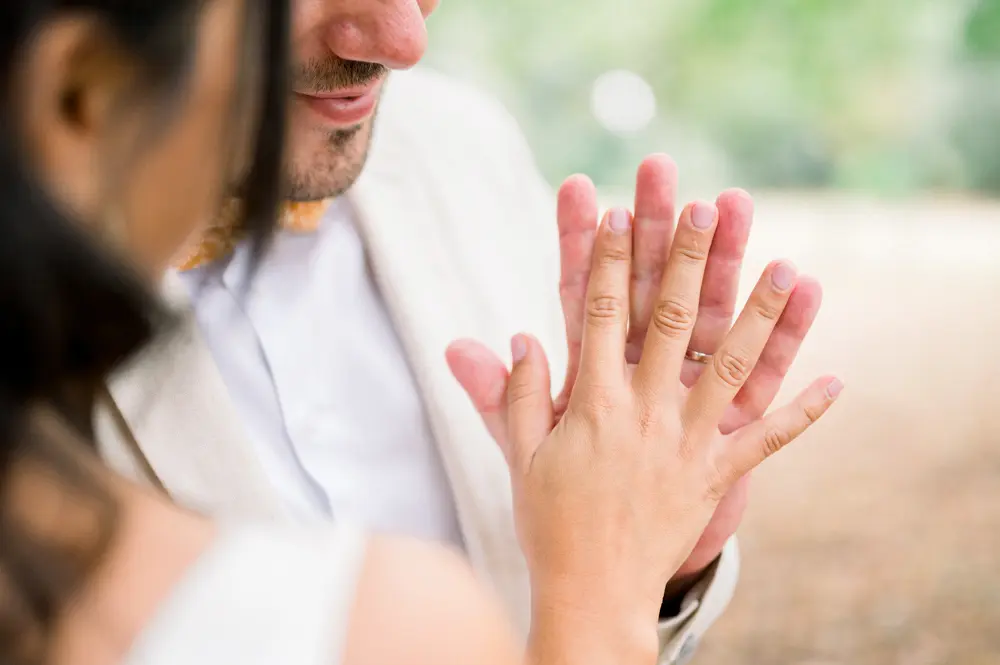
(420,604)
(326,596)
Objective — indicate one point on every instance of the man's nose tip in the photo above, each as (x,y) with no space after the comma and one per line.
(406,49)
(395,38)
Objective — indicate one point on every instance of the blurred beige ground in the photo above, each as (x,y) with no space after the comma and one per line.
(875,540)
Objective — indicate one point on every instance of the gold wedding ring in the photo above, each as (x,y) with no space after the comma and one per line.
(698,356)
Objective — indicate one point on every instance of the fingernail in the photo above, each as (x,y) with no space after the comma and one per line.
(834,388)
(703,215)
(518,348)
(783,276)
(618,221)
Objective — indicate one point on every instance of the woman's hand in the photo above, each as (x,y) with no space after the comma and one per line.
(484,375)
(610,500)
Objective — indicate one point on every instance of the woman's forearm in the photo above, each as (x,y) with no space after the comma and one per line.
(590,633)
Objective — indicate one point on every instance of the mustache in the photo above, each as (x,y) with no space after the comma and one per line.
(334,74)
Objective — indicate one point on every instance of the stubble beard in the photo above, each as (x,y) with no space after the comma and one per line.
(336,159)
(334,167)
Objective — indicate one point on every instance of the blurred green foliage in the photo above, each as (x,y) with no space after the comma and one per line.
(884,95)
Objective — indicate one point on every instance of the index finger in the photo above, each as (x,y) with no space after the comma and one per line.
(602,355)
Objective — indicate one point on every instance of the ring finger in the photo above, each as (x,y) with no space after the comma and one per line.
(735,360)
(722,279)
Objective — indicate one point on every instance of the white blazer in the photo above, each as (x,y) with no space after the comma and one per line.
(461,233)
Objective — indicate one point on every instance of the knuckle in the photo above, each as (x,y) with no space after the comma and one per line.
(732,367)
(812,413)
(596,405)
(650,270)
(649,421)
(691,254)
(605,309)
(717,482)
(673,317)
(726,312)
(774,440)
(573,286)
(718,306)
(613,255)
(653,417)
(768,311)
(687,450)
(518,393)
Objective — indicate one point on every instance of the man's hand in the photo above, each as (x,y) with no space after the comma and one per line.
(484,376)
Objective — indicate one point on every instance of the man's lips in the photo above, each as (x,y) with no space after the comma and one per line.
(346,106)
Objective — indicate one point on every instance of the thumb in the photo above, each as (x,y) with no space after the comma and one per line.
(483,376)
(529,398)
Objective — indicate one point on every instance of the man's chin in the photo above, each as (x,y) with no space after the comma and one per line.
(326,164)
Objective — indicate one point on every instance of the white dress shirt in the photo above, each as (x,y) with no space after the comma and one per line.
(317,373)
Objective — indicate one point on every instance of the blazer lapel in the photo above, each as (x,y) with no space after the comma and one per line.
(400,219)
(178,412)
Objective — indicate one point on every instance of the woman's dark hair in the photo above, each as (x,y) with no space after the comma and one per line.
(71,313)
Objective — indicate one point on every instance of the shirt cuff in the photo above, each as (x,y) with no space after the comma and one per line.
(680,635)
